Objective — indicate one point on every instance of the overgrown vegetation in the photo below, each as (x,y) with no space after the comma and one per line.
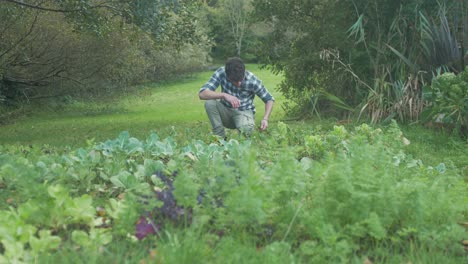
(448,98)
(327,195)
(370,57)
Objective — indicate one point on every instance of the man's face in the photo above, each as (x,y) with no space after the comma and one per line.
(236,83)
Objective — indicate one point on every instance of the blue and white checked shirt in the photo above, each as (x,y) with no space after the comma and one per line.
(250,87)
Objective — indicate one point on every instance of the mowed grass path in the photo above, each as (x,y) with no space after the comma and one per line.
(153,107)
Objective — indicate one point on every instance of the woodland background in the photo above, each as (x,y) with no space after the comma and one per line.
(352,58)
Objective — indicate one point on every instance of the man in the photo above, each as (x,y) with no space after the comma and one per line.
(233,107)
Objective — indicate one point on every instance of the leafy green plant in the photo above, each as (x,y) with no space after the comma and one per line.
(314,195)
(448,99)
(37,226)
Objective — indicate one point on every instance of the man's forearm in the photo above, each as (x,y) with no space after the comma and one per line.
(210,95)
(268,109)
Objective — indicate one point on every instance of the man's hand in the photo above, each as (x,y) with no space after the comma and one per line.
(268,108)
(235,103)
(264,125)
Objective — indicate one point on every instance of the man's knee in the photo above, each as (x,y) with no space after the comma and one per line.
(210,105)
(246,130)
(246,127)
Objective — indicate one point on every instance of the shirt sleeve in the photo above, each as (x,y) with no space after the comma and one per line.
(261,91)
(213,82)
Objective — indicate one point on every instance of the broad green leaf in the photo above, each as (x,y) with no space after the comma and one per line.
(100,236)
(81,238)
(45,242)
(14,250)
(441,168)
(59,193)
(81,210)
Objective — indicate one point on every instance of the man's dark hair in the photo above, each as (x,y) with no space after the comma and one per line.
(235,69)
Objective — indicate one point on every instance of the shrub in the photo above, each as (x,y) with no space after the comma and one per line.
(448,100)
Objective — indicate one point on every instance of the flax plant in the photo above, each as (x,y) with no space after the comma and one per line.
(404,61)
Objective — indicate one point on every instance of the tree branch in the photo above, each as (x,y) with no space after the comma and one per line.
(39,7)
(22,38)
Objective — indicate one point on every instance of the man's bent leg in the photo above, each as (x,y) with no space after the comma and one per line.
(214,115)
(245,121)
(220,117)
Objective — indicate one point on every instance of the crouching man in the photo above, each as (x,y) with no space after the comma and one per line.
(233,107)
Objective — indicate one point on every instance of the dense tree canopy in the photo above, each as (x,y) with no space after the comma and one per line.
(54,47)
(99,15)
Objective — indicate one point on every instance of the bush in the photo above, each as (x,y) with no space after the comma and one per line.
(448,100)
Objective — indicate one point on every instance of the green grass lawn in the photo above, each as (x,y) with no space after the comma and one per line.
(153,107)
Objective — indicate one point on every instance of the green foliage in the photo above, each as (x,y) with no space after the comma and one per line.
(38,225)
(328,195)
(378,66)
(448,99)
(299,31)
(162,19)
(89,49)
(232,31)
(167,21)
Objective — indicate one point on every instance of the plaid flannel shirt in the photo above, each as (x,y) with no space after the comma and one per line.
(250,87)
